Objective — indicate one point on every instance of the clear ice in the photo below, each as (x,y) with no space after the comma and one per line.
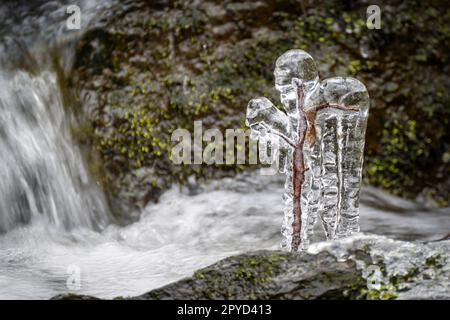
(320,136)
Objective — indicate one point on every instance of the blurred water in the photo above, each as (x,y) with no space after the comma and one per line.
(43,178)
(41,168)
(185,231)
(42,171)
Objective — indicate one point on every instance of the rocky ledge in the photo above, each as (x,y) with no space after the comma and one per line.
(360,267)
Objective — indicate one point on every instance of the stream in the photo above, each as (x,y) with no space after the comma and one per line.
(186,230)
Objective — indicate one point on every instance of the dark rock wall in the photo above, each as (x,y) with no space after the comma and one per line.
(146,68)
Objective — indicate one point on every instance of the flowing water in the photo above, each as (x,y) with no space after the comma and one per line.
(185,231)
(53,218)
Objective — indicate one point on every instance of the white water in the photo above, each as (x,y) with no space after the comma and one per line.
(42,170)
(43,174)
(180,234)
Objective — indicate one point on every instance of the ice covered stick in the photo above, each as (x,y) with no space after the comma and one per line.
(322,130)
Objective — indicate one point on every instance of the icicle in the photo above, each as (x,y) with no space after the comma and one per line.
(322,133)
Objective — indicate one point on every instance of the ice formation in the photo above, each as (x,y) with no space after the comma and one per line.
(320,136)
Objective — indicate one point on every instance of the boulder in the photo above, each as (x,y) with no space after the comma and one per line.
(358,267)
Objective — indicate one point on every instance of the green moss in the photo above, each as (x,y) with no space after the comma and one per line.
(140,137)
(258,270)
(434,261)
(395,167)
(382,294)
(250,274)
(406,136)
(354,67)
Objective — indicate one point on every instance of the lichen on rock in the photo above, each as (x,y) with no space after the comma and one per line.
(152,67)
(340,269)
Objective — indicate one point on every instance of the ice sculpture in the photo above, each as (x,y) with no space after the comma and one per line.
(320,136)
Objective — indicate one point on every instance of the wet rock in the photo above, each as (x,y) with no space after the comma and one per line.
(215,12)
(73,296)
(268,275)
(173,62)
(391,86)
(359,267)
(224,30)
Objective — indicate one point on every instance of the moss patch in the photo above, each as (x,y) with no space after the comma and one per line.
(250,276)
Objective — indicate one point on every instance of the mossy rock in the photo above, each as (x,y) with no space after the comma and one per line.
(152,67)
(268,275)
(339,269)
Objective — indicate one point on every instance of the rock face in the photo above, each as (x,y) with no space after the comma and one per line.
(359,267)
(367,267)
(396,269)
(145,68)
(269,275)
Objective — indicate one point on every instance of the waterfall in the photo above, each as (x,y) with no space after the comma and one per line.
(42,172)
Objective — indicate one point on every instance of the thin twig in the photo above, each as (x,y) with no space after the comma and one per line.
(305,131)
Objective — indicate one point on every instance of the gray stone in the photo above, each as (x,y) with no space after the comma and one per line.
(359,267)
